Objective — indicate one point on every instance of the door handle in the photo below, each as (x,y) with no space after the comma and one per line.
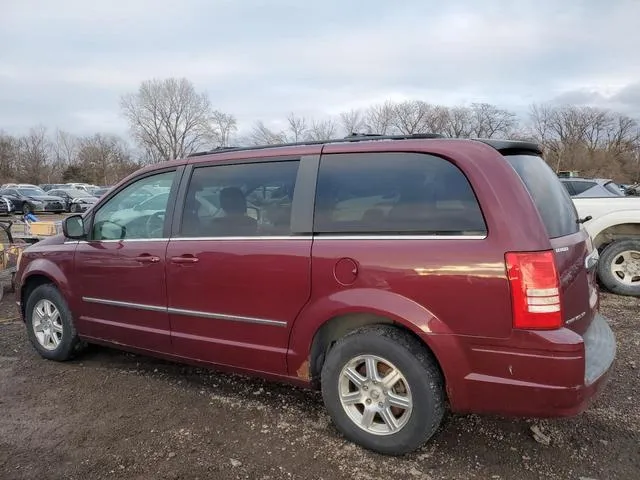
(147,259)
(184,259)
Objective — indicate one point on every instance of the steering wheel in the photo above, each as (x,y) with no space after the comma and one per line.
(154,225)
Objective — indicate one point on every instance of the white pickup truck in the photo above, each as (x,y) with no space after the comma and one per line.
(615,229)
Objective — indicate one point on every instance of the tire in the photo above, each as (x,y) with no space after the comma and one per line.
(75,208)
(26,208)
(613,256)
(420,372)
(68,343)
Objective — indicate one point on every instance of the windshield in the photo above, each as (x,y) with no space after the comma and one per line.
(31,192)
(551,198)
(614,188)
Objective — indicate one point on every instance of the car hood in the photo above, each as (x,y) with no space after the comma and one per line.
(86,199)
(44,198)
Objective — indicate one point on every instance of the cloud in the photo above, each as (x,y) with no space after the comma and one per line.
(66,64)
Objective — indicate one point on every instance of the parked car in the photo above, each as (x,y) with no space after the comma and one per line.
(75,201)
(396,275)
(592,187)
(33,199)
(614,225)
(6,206)
(632,190)
(53,186)
(87,187)
(99,191)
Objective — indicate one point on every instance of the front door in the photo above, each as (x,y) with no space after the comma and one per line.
(121,268)
(236,275)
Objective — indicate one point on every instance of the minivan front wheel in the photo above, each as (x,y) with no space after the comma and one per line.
(50,325)
(383,390)
(619,267)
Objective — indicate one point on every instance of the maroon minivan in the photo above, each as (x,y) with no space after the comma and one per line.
(400,275)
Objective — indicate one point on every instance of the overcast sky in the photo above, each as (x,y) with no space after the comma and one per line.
(65,63)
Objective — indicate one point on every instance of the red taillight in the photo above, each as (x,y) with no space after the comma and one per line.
(535,290)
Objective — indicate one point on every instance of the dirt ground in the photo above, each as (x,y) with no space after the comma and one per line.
(115,415)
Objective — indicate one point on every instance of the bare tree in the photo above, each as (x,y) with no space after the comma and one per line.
(458,122)
(379,118)
(411,117)
(168,118)
(490,121)
(297,130)
(352,121)
(8,157)
(34,155)
(436,119)
(322,130)
(224,126)
(64,152)
(262,135)
(103,159)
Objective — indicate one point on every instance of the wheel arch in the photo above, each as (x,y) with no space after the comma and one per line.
(322,324)
(29,284)
(616,231)
(338,326)
(40,272)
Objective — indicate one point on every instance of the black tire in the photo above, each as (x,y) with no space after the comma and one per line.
(75,208)
(69,343)
(611,281)
(26,208)
(422,374)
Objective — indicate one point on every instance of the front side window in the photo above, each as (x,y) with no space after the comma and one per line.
(252,199)
(128,215)
(394,193)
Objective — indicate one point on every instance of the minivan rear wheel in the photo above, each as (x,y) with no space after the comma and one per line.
(50,326)
(383,389)
(619,267)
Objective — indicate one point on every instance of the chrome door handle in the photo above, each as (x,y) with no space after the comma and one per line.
(184,259)
(147,259)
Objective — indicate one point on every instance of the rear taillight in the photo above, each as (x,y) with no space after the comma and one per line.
(535,290)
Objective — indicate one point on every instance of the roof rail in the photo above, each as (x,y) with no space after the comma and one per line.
(353,137)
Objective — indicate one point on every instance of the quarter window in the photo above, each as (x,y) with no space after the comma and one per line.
(394,193)
(134,212)
(252,199)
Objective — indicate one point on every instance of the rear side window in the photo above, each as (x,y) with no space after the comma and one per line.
(394,193)
(581,186)
(552,200)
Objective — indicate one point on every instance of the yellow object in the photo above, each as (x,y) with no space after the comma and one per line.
(45,228)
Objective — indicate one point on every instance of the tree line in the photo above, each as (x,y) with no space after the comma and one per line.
(169,119)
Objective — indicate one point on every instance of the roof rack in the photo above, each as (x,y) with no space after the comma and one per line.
(353,137)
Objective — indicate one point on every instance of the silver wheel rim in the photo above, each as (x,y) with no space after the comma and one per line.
(47,324)
(625,267)
(375,395)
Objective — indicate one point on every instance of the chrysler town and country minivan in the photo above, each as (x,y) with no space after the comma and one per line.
(402,276)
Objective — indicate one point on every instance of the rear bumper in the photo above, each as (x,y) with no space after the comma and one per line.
(550,374)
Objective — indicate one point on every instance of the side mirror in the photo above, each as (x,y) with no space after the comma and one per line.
(73,227)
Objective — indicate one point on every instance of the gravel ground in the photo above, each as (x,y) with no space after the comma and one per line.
(110,414)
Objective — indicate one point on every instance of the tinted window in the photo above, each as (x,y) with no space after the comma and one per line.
(122,216)
(552,200)
(569,187)
(395,193)
(240,200)
(580,186)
